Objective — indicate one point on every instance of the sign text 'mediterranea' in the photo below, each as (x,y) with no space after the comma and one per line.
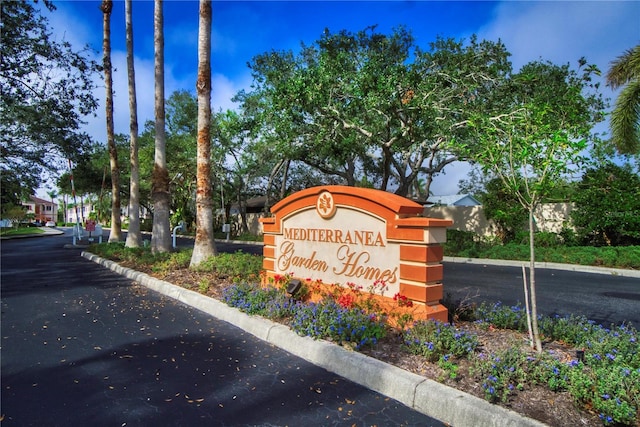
(327,235)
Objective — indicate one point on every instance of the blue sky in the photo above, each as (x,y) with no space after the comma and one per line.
(559,31)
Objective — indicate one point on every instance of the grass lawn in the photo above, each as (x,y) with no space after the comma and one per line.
(22,231)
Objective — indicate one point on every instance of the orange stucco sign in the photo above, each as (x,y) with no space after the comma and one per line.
(340,235)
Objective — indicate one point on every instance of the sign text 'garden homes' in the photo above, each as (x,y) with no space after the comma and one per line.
(340,235)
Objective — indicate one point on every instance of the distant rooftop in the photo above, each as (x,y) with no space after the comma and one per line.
(453,200)
(40,201)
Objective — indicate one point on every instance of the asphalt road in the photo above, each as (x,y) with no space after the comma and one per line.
(84,346)
(606,299)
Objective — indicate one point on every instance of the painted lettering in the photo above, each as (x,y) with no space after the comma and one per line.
(286,252)
(354,265)
(289,259)
(327,235)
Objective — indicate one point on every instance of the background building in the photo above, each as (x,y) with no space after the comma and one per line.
(43,210)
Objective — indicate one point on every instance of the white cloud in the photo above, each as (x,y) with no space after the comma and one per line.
(145,96)
(565,31)
(560,32)
(69,28)
(182,37)
(221,43)
(223,89)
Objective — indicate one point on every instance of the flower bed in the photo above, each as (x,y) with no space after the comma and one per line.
(603,377)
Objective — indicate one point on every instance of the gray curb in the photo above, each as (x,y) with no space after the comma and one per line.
(548,265)
(429,397)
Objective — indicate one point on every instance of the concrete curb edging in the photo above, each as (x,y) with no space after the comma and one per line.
(548,265)
(426,396)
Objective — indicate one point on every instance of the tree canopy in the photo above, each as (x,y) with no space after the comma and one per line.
(373,108)
(533,135)
(607,206)
(45,93)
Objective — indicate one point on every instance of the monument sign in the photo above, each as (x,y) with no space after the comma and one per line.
(339,235)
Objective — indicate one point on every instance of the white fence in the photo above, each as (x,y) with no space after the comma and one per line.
(550,217)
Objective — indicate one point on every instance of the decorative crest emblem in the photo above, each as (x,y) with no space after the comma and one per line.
(325,206)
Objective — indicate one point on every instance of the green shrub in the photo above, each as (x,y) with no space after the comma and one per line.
(435,340)
(172,260)
(628,257)
(548,249)
(268,302)
(502,374)
(568,236)
(203,286)
(613,392)
(607,205)
(543,239)
(573,330)
(509,251)
(239,266)
(249,237)
(547,370)
(458,240)
(468,244)
(116,251)
(329,320)
(502,317)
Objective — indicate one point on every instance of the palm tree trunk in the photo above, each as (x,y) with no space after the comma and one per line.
(133,235)
(116,223)
(204,246)
(161,233)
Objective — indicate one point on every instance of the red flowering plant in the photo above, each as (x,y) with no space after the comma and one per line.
(280,281)
(346,300)
(402,300)
(399,310)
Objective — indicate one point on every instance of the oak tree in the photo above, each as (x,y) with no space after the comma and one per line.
(46,91)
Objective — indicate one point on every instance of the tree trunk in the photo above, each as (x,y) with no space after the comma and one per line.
(66,214)
(116,223)
(161,233)
(532,282)
(285,176)
(204,246)
(133,235)
(272,174)
(526,306)
(242,207)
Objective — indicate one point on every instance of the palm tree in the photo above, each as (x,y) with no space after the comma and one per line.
(133,234)
(625,117)
(204,245)
(52,194)
(63,202)
(161,233)
(116,222)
